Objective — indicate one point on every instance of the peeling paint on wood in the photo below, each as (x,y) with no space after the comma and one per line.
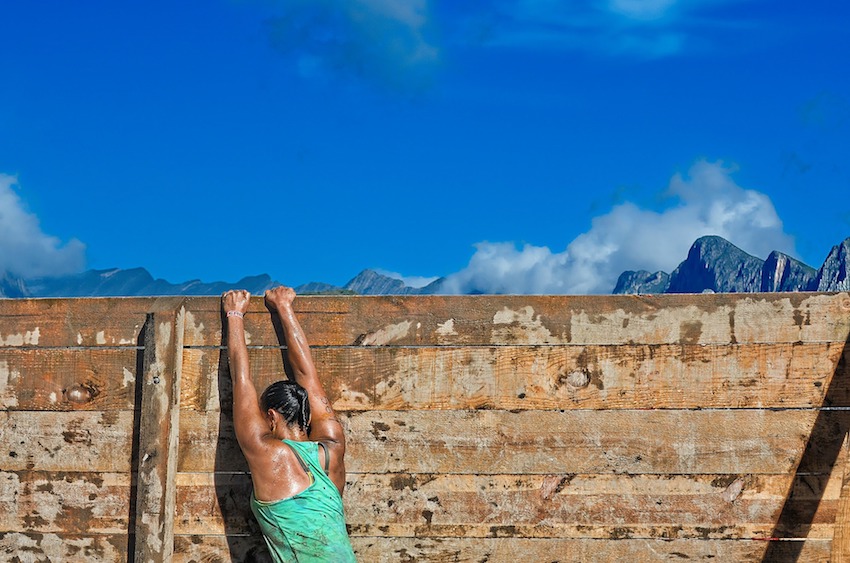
(26,547)
(583,320)
(64,502)
(385,335)
(633,376)
(28,338)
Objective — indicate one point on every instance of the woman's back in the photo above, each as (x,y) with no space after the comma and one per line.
(311,523)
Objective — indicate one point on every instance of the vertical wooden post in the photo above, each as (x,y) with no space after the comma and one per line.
(841,532)
(158,432)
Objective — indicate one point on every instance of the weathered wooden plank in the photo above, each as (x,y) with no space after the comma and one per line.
(533,442)
(158,433)
(32,547)
(64,502)
(190,549)
(533,320)
(841,537)
(101,441)
(73,322)
(98,441)
(68,378)
(553,506)
(380,550)
(544,377)
(453,320)
(483,483)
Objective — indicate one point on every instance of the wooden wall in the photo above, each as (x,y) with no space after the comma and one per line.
(480,428)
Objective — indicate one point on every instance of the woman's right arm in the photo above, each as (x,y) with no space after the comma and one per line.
(324,426)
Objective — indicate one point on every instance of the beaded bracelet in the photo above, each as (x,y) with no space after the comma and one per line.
(235,314)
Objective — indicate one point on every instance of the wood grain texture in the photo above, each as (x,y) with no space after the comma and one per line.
(541,442)
(544,377)
(34,547)
(465,320)
(480,428)
(64,502)
(98,441)
(539,506)
(68,378)
(73,322)
(508,550)
(189,549)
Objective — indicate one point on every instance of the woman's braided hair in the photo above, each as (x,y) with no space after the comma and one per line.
(290,400)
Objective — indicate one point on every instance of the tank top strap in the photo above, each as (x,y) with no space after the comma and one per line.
(327,455)
(298,457)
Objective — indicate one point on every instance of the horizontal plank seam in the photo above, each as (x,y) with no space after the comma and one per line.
(588,410)
(74,348)
(67,410)
(390,412)
(525,474)
(618,539)
(543,540)
(548,410)
(521,345)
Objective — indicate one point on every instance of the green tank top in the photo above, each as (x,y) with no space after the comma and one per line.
(310,526)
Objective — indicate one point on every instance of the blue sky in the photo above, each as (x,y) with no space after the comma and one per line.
(515,146)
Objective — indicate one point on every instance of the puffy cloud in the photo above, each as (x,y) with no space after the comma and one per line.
(707,202)
(25,250)
(381,41)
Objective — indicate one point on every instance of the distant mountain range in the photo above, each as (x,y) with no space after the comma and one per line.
(139,282)
(713,264)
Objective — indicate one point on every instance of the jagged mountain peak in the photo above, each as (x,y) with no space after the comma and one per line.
(785,273)
(12,286)
(370,282)
(715,264)
(642,281)
(833,274)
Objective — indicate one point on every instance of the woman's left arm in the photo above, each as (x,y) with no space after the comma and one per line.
(248,421)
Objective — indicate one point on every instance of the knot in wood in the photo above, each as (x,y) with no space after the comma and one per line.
(733,490)
(578,379)
(78,394)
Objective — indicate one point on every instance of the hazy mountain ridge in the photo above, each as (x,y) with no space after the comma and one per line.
(124,283)
(712,264)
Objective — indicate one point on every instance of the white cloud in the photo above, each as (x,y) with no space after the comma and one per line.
(636,28)
(382,41)
(709,202)
(25,250)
